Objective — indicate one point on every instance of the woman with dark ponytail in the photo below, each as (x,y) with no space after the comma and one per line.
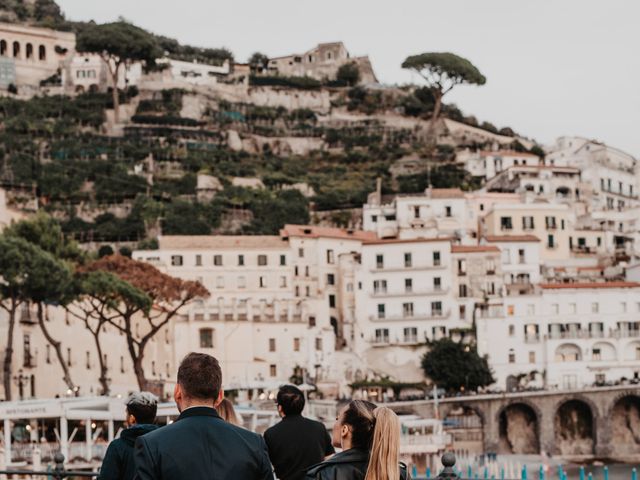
(370,440)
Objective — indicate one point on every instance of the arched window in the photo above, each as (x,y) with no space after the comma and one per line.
(16,50)
(29,51)
(3,48)
(42,52)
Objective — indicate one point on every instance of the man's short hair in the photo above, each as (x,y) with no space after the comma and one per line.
(200,376)
(291,400)
(143,406)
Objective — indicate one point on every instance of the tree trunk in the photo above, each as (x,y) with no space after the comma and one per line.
(136,360)
(103,379)
(8,353)
(116,96)
(57,346)
(431,131)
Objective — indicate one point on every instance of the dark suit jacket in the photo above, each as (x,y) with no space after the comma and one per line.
(201,446)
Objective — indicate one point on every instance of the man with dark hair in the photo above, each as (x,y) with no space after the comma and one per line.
(118,463)
(199,445)
(295,443)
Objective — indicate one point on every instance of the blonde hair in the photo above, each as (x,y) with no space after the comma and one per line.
(227,412)
(376,429)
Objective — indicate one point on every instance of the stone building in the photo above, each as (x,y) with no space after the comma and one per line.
(37,53)
(321,62)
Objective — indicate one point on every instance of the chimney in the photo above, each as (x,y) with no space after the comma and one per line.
(379,190)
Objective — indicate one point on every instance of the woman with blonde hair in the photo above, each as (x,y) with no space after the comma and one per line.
(370,440)
(227,412)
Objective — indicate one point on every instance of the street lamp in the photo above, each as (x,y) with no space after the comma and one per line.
(20,379)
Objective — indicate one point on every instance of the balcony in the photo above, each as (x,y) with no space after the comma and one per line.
(413,268)
(532,338)
(444,314)
(409,293)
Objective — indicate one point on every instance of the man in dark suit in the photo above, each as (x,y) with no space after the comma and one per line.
(199,445)
(295,443)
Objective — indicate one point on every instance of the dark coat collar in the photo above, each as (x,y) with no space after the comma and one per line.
(353,455)
(199,412)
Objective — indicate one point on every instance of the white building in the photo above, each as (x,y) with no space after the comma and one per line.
(519,260)
(565,335)
(404,297)
(194,73)
(88,71)
(487,164)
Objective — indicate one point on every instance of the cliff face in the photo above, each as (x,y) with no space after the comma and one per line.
(625,426)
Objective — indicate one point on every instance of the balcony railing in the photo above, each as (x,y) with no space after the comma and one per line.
(409,293)
(432,266)
(444,314)
(532,338)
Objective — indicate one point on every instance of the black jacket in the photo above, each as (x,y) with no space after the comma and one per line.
(201,446)
(118,462)
(348,465)
(295,444)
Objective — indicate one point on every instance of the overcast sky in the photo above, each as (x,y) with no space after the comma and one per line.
(553,67)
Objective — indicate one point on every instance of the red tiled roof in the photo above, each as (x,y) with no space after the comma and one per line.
(390,241)
(473,249)
(587,285)
(312,231)
(511,238)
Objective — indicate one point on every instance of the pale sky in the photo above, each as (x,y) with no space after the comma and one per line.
(553,67)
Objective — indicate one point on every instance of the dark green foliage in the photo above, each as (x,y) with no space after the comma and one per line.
(258,62)
(507,131)
(444,176)
(272,211)
(187,53)
(443,70)
(301,83)
(537,150)
(121,40)
(184,218)
(456,366)
(349,73)
(47,11)
(105,251)
(489,127)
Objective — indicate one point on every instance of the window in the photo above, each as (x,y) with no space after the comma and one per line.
(307,291)
(447,211)
(217,260)
(283,282)
(551,243)
(521,256)
(297,291)
(436,309)
(512,330)
(532,357)
(382,335)
(407,309)
(550,222)
(241,260)
(437,283)
(295,270)
(374,218)
(262,260)
(198,260)
(301,252)
(512,356)
(176,260)
(206,338)
(381,310)
(273,371)
(596,354)
(408,285)
(637,353)
(263,282)
(331,279)
(462,312)
(411,334)
(462,267)
(416,212)
(379,286)
(296,344)
(283,260)
(595,307)
(312,321)
(332,301)
(330,257)
(318,344)
(506,223)
(407,260)
(272,344)
(379,261)
(462,291)
(528,223)
(306,271)
(219,282)
(242,282)
(42,52)
(436,259)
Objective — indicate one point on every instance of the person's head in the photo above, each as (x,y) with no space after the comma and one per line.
(141,408)
(290,400)
(199,382)
(227,412)
(364,426)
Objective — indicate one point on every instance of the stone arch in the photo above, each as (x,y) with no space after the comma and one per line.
(29,51)
(519,428)
(16,49)
(603,351)
(42,53)
(624,424)
(568,352)
(79,89)
(574,427)
(464,408)
(3,48)
(563,192)
(632,351)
